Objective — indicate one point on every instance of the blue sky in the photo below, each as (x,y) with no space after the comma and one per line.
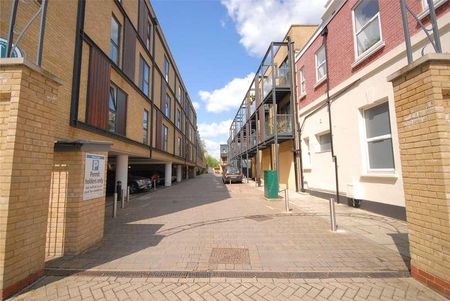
(218,44)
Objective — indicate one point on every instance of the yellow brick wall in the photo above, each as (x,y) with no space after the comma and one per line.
(26,156)
(73,224)
(422,111)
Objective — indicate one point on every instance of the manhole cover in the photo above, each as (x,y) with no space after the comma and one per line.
(259,218)
(229,256)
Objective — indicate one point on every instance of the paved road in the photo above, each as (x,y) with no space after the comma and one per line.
(202,240)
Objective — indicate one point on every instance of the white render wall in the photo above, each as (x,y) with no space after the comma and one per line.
(349,131)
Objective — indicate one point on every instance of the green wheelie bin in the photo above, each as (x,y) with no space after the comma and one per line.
(271,187)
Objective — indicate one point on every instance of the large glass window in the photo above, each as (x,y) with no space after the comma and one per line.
(166,69)
(378,137)
(145,77)
(367,25)
(165,132)
(112,108)
(179,146)
(167,106)
(178,118)
(145,127)
(114,49)
(321,64)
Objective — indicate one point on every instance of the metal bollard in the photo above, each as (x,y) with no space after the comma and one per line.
(333,215)
(286,200)
(128,194)
(114,212)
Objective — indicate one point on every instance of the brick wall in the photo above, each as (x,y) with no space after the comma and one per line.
(73,224)
(28,98)
(422,105)
(341,44)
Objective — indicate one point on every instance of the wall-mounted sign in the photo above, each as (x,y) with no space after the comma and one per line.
(15,50)
(94,177)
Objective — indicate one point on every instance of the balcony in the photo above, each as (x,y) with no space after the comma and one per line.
(283,129)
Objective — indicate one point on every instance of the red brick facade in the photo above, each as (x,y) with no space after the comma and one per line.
(341,53)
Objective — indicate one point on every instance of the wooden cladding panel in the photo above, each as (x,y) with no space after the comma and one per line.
(143,15)
(129,50)
(98,89)
(121,115)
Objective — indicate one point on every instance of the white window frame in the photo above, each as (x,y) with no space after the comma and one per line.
(307,163)
(366,140)
(374,47)
(114,44)
(319,80)
(143,81)
(302,81)
(319,145)
(168,104)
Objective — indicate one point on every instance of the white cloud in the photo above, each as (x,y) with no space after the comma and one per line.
(196,105)
(228,97)
(213,148)
(260,22)
(214,129)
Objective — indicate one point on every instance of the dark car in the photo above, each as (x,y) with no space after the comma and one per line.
(138,183)
(232,174)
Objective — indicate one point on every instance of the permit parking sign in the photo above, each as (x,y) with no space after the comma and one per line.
(94,177)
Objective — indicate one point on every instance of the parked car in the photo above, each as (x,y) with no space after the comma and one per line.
(138,183)
(232,174)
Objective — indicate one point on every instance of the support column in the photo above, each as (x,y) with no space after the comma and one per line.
(29,96)
(187,172)
(422,107)
(179,173)
(168,175)
(122,171)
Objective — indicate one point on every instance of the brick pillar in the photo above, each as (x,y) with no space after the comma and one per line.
(28,100)
(74,222)
(422,105)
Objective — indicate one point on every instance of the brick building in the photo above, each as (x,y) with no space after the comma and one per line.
(364,44)
(108,93)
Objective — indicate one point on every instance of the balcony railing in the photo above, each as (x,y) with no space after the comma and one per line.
(284,125)
(282,80)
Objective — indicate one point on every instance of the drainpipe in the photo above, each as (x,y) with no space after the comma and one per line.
(298,164)
(333,156)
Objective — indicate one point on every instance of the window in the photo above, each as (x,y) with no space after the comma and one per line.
(178,118)
(179,92)
(324,142)
(165,132)
(307,154)
(145,127)
(166,69)
(167,106)
(367,26)
(112,108)
(321,64)
(302,82)
(436,2)
(114,51)
(148,38)
(145,77)
(378,138)
(179,146)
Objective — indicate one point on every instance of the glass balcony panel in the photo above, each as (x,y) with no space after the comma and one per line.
(284,125)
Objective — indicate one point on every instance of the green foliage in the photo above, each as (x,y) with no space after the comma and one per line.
(211,161)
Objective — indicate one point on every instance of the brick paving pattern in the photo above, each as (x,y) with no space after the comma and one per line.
(116,288)
(202,240)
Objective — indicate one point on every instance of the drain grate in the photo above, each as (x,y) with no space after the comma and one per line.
(229,256)
(227,274)
(259,218)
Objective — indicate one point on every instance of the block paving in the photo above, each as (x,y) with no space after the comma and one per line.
(160,248)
